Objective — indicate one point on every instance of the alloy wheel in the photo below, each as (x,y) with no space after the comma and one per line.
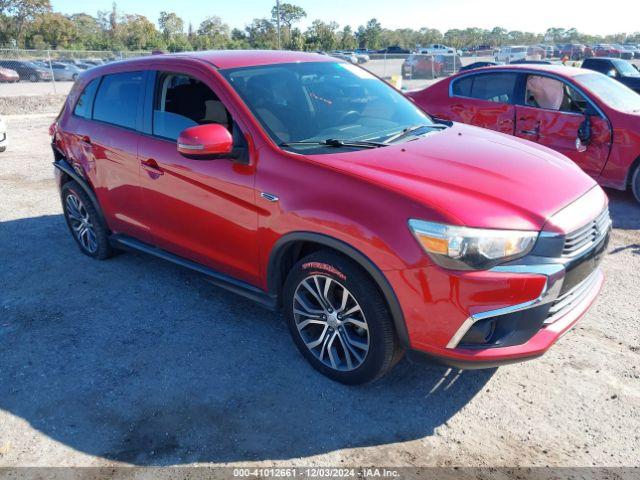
(331,322)
(81,223)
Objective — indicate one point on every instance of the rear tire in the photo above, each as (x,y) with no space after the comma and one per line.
(339,320)
(85,225)
(33,78)
(635,183)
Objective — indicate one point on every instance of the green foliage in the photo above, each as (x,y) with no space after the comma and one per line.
(33,24)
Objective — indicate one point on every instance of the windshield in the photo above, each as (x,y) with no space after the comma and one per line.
(312,102)
(613,93)
(626,69)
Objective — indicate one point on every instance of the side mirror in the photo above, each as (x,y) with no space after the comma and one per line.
(205,141)
(584,134)
(612,73)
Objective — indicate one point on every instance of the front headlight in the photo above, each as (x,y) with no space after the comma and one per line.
(464,248)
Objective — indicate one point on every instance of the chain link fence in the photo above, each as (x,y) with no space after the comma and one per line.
(42,72)
(46,72)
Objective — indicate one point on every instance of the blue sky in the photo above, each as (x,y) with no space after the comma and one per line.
(535,15)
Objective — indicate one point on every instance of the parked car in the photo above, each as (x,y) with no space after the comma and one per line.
(435,49)
(421,66)
(606,50)
(622,70)
(360,57)
(531,62)
(8,76)
(571,110)
(27,70)
(633,48)
(64,71)
(573,51)
(447,241)
(509,54)
(622,52)
(536,52)
(343,56)
(4,141)
(394,50)
(474,65)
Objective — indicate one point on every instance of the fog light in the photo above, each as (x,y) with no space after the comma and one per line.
(480,333)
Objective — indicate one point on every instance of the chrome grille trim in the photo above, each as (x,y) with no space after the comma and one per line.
(566,302)
(584,237)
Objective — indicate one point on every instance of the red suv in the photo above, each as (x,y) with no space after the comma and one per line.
(311,186)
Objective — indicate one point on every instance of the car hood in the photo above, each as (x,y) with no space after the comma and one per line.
(473,176)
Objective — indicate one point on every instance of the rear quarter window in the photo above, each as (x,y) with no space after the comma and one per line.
(462,86)
(85,100)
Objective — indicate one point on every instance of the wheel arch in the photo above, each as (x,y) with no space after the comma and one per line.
(631,172)
(293,246)
(69,173)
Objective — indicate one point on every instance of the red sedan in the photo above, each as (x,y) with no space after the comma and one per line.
(582,114)
(8,76)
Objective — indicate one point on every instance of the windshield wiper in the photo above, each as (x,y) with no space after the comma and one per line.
(410,130)
(332,142)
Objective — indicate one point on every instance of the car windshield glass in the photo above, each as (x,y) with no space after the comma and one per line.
(611,92)
(626,69)
(302,105)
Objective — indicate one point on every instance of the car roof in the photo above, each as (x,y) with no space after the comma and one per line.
(561,70)
(239,58)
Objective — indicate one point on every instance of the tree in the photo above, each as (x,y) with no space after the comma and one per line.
(171,25)
(347,39)
(214,33)
(322,36)
(136,32)
(261,33)
(88,32)
(369,35)
(53,29)
(17,13)
(289,14)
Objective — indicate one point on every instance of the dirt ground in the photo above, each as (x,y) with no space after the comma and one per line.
(133,361)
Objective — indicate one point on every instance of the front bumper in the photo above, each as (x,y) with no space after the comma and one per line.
(510,313)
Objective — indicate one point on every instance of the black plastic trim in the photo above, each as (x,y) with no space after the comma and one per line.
(419,356)
(219,279)
(61,164)
(275,282)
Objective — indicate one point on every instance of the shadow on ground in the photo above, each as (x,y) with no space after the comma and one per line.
(136,360)
(624,210)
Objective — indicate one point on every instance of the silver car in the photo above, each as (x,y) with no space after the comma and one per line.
(63,72)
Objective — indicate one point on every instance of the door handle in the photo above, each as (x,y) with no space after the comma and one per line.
(152,167)
(533,131)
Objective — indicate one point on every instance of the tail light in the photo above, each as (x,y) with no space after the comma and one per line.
(52,129)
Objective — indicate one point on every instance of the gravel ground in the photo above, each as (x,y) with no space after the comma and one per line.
(136,361)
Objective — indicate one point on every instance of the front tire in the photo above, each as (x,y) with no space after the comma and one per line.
(339,320)
(85,225)
(635,183)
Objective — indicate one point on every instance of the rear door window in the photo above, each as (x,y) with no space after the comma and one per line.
(494,87)
(118,98)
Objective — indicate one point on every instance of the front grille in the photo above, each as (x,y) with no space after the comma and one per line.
(583,238)
(565,302)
